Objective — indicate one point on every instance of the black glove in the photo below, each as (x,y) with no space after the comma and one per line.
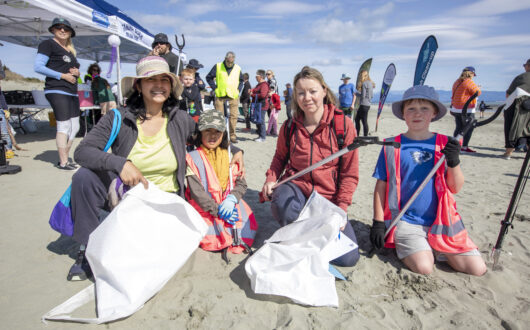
(452,152)
(377,234)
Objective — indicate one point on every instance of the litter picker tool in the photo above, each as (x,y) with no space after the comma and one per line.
(235,233)
(359,141)
(180,48)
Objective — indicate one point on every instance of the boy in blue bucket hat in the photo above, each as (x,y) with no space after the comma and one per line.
(431,228)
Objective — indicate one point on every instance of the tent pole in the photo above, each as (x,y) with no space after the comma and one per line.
(120,97)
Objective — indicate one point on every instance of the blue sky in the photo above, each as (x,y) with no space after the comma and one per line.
(337,36)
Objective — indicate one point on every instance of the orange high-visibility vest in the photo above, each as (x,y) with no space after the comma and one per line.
(219,234)
(447,233)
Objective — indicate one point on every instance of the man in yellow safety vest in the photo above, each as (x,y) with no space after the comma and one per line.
(227,85)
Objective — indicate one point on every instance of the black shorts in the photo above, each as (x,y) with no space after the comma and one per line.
(64,106)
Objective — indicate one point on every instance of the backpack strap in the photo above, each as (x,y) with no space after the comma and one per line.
(339,127)
(289,132)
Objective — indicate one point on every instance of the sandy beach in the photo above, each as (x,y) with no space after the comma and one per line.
(208,294)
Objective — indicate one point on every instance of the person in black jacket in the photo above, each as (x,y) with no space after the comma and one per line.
(191,100)
(195,66)
(162,47)
(244,99)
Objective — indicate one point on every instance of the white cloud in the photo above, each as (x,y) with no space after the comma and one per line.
(327,62)
(210,28)
(288,7)
(522,40)
(245,38)
(336,31)
(470,55)
(491,7)
(452,32)
(180,25)
(380,11)
(153,20)
(197,8)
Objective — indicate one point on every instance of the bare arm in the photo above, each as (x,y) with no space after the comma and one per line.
(455,179)
(379,200)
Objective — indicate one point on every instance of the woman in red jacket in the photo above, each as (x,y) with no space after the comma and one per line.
(311,139)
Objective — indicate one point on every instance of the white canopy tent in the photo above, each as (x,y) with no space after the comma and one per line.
(26,23)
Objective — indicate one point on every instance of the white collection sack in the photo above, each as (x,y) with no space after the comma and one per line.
(141,244)
(294,262)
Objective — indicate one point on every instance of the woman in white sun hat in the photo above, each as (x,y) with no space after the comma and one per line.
(151,145)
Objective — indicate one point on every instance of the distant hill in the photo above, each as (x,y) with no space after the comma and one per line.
(445,96)
(13,76)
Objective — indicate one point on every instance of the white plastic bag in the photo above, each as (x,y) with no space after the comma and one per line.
(294,262)
(141,244)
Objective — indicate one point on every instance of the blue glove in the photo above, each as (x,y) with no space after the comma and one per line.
(227,207)
(234,218)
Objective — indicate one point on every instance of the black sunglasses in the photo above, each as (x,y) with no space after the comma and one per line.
(159,43)
(62,27)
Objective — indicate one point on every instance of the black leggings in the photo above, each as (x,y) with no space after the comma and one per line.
(460,126)
(362,115)
(64,106)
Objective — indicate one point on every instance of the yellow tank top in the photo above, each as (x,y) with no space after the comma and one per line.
(154,157)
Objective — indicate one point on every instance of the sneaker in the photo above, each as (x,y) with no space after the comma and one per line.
(467,149)
(67,167)
(506,156)
(80,270)
(259,140)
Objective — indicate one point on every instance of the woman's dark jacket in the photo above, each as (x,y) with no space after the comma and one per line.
(90,154)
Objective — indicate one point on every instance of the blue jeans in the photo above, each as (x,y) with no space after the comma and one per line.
(287,203)
(5,132)
(262,131)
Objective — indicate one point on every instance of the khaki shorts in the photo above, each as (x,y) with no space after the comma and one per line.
(411,238)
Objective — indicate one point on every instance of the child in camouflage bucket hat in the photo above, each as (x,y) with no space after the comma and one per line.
(208,188)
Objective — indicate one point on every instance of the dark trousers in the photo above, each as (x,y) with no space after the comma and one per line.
(262,130)
(246,112)
(362,116)
(508,120)
(288,110)
(287,203)
(88,198)
(460,126)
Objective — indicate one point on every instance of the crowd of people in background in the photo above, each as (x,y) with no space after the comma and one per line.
(231,88)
